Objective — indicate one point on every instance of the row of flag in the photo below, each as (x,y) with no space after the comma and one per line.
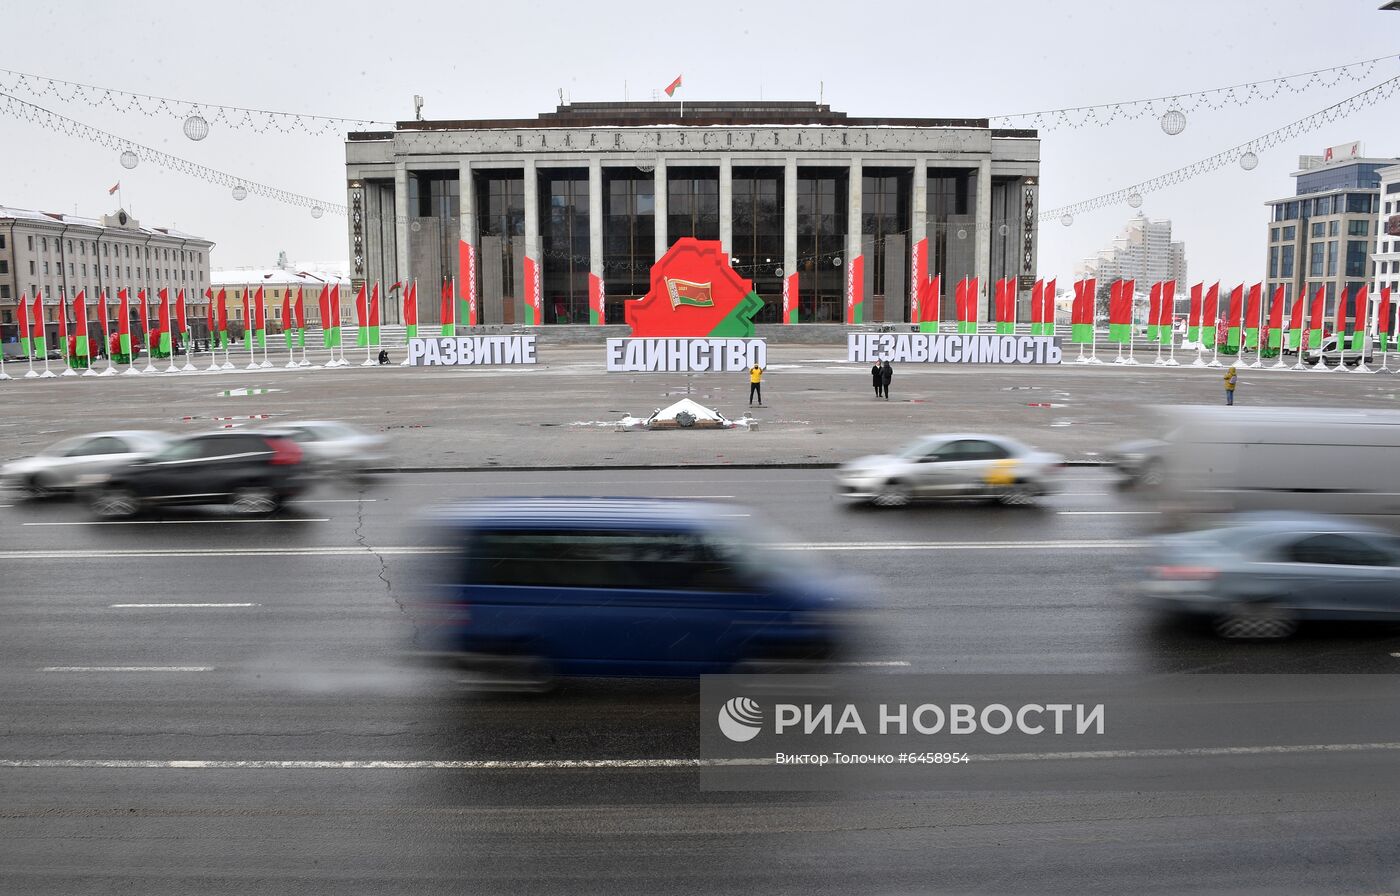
(1243,316)
(73,326)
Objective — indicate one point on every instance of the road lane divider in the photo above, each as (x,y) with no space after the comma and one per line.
(179,606)
(646,763)
(176,522)
(104,669)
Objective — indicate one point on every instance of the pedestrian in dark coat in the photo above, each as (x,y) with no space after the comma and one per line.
(875,379)
(886,374)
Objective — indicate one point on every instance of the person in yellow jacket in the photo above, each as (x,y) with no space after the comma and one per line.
(1230,380)
(756,385)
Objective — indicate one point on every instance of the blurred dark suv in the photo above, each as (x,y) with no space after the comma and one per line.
(251,472)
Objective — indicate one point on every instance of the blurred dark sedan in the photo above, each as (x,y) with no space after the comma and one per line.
(1258,576)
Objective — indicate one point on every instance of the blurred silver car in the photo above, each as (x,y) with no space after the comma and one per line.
(1139,462)
(1258,576)
(337,449)
(956,465)
(59,467)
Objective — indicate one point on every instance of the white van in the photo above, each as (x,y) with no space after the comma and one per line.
(1316,460)
(1329,355)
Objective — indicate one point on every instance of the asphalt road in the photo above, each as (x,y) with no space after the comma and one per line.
(273,734)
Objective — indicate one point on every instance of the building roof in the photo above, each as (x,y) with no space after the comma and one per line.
(276,277)
(25,214)
(703,113)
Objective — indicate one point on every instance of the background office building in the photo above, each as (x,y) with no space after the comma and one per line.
(1388,232)
(1144,251)
(62,254)
(1325,234)
(601,190)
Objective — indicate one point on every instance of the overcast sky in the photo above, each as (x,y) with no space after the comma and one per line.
(487,60)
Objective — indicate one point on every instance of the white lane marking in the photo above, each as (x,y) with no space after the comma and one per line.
(1187,752)
(177,606)
(1107,512)
(527,764)
(875,663)
(109,554)
(693,497)
(176,522)
(388,764)
(127,669)
(336,500)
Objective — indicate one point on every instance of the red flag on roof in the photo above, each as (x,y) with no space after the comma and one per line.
(673,86)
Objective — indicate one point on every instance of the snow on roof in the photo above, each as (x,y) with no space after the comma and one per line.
(275,277)
(26,214)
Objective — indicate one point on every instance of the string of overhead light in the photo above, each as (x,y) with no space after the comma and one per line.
(1245,154)
(1171,111)
(198,116)
(131,154)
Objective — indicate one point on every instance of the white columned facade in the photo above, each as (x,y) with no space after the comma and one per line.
(726,204)
(983,234)
(532,212)
(854,182)
(659,208)
(400,224)
(790,222)
(595,216)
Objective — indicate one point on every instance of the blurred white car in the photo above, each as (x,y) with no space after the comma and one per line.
(59,467)
(334,448)
(955,465)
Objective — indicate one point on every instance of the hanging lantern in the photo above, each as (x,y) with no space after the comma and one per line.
(196,128)
(240,193)
(1003,230)
(1173,122)
(317,211)
(1135,199)
(962,233)
(1249,161)
(836,262)
(1067,219)
(129,159)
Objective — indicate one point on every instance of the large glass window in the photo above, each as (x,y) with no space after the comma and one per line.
(692,203)
(950,229)
(821,243)
(1356,258)
(564,245)
(1273,261)
(500,203)
(1315,256)
(884,227)
(1331,258)
(758,235)
(1290,232)
(629,237)
(1285,262)
(1360,202)
(1319,229)
(1358,227)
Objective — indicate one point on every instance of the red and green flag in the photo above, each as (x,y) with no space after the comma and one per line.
(81,347)
(102,312)
(1253,311)
(288,321)
(26,342)
(1274,327)
(1154,312)
(362,318)
(1082,313)
(1210,315)
(1006,306)
(1351,319)
(299,310)
(124,323)
(965,302)
(448,308)
(1316,314)
(1120,311)
(410,310)
(1166,320)
(1234,317)
(62,323)
(182,323)
(1295,323)
(1193,314)
(1043,308)
(1385,320)
(38,331)
(930,302)
(260,318)
(223,317)
(165,346)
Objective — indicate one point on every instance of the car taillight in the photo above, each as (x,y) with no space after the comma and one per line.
(284,452)
(1185,573)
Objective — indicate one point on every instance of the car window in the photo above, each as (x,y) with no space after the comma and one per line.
(974,449)
(1336,549)
(607,560)
(107,445)
(180,451)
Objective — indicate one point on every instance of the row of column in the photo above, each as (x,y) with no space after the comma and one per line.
(919,190)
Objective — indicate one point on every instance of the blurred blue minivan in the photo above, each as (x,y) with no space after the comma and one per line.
(533,588)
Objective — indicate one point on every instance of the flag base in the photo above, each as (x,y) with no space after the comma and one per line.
(1215,362)
(265,365)
(227,365)
(252,365)
(369,363)
(149,368)
(291,365)
(1166,362)
(1340,368)
(5,376)
(32,375)
(1362,368)
(90,372)
(1256,364)
(48,374)
(69,372)
(131,371)
(189,365)
(110,371)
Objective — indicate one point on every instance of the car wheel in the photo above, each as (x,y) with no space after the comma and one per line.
(1255,622)
(253,501)
(1151,474)
(893,494)
(111,503)
(36,488)
(1021,494)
